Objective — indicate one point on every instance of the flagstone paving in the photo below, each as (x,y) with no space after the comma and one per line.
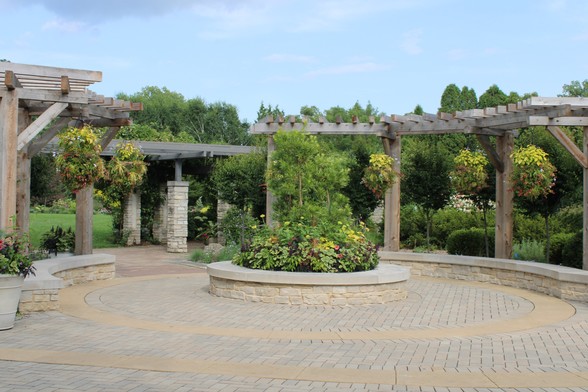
(155,328)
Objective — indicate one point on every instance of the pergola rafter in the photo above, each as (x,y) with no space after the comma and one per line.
(501,122)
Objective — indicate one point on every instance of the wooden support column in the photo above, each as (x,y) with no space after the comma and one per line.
(585,202)
(8,157)
(84,220)
(392,147)
(269,198)
(23,186)
(504,198)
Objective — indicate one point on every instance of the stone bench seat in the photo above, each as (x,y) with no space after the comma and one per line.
(555,280)
(41,291)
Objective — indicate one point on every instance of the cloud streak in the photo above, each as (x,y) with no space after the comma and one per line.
(367,67)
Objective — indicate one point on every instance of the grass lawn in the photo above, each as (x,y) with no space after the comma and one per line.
(41,223)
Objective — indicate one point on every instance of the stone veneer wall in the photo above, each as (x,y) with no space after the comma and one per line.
(221,210)
(561,282)
(293,294)
(160,219)
(41,292)
(177,216)
(132,218)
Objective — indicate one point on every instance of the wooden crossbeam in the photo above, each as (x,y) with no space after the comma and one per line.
(569,145)
(65,86)
(41,122)
(39,143)
(11,81)
(376,129)
(51,72)
(558,121)
(493,156)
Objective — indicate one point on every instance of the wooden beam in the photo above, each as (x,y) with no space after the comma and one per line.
(392,200)
(84,220)
(493,156)
(376,129)
(8,157)
(41,122)
(109,135)
(569,145)
(65,87)
(504,198)
(52,72)
(37,144)
(51,96)
(23,182)
(558,121)
(585,204)
(556,101)
(11,81)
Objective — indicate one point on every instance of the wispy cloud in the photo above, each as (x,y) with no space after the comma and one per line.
(457,54)
(64,26)
(347,69)
(411,42)
(556,5)
(288,58)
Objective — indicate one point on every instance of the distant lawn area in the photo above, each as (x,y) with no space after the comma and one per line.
(41,223)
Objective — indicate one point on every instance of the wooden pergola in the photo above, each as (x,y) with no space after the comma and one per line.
(36,102)
(501,122)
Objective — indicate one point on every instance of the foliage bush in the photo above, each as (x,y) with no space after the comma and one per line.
(238,226)
(201,225)
(530,250)
(59,206)
(448,220)
(566,249)
(225,254)
(300,247)
(528,227)
(469,242)
(58,240)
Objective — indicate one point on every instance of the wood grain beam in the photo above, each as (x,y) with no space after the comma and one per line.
(11,81)
(65,87)
(569,145)
(493,156)
(37,144)
(52,72)
(41,122)
(558,121)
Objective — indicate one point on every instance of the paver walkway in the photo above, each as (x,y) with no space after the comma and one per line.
(155,328)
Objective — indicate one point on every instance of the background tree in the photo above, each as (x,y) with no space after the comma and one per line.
(425,180)
(575,89)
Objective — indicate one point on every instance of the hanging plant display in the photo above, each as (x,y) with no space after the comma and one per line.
(127,168)
(533,174)
(79,163)
(469,175)
(380,175)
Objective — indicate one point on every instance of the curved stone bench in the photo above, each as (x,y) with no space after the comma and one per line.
(41,292)
(384,284)
(558,281)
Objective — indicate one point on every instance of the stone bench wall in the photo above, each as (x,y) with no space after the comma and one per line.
(561,282)
(41,292)
(385,284)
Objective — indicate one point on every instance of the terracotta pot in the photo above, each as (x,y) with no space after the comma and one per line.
(10,288)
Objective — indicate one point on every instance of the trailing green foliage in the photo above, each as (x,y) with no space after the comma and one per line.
(533,175)
(530,250)
(468,242)
(380,175)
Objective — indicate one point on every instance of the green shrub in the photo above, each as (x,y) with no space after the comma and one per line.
(528,227)
(225,254)
(238,226)
(470,242)
(530,250)
(58,240)
(302,247)
(566,249)
(448,220)
(568,219)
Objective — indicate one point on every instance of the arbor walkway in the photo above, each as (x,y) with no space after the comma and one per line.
(155,328)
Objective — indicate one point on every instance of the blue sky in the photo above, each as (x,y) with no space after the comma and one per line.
(393,53)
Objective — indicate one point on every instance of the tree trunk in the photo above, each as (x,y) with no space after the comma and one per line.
(486,242)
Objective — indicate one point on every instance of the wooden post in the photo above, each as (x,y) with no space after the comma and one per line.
(269,198)
(84,220)
(392,200)
(23,186)
(8,157)
(585,202)
(504,198)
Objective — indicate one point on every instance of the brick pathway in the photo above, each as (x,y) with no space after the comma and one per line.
(155,328)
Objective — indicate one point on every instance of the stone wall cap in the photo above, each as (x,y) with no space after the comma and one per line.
(384,273)
(558,272)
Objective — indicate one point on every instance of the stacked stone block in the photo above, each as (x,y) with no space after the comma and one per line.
(132,219)
(177,216)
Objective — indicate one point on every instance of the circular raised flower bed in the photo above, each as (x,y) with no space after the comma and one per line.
(384,284)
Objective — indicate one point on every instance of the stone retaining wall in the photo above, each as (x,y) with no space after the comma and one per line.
(561,282)
(383,285)
(41,292)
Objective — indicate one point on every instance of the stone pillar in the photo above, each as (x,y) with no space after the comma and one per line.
(221,210)
(160,219)
(177,216)
(132,218)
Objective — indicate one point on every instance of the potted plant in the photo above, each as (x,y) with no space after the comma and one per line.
(15,265)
